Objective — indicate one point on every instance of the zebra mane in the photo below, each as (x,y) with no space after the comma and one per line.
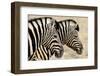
(77,28)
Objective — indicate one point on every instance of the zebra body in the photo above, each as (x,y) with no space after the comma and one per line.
(43,35)
(42,53)
(68,34)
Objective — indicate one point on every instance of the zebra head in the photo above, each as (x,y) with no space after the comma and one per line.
(42,32)
(68,33)
(53,40)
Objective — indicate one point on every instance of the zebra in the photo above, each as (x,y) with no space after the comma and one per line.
(68,33)
(42,53)
(43,35)
(70,37)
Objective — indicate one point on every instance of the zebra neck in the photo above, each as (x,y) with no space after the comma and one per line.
(61,37)
(46,41)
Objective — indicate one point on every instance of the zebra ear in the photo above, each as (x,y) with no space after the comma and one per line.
(51,25)
(54,24)
(77,28)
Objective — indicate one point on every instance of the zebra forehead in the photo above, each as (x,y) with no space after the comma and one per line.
(72,24)
(71,29)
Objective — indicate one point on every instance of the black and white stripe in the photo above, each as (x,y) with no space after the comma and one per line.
(43,35)
(68,34)
(42,53)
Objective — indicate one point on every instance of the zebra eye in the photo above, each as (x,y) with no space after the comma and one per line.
(76,36)
(55,36)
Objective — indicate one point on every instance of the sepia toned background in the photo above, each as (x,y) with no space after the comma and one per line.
(83,36)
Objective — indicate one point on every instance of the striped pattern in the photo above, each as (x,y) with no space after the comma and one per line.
(42,36)
(68,34)
(42,53)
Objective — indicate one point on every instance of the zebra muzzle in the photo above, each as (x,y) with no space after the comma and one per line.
(59,54)
(79,50)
